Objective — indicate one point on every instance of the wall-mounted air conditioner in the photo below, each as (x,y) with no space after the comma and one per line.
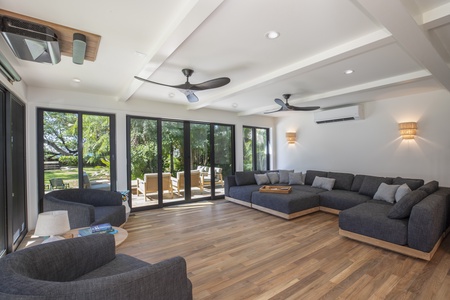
(339,114)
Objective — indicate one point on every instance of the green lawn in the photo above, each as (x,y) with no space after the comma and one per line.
(70,175)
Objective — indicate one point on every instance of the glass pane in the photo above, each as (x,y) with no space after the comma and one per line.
(261,149)
(144,162)
(223,155)
(200,161)
(173,156)
(96,152)
(248,148)
(3,214)
(60,139)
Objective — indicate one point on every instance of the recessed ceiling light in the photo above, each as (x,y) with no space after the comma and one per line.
(271,35)
(348,72)
(234,105)
(77,80)
(171,95)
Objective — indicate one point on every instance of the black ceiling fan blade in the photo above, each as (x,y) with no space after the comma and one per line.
(190,95)
(181,86)
(210,84)
(281,103)
(304,108)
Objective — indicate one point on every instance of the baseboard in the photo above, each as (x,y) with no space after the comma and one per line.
(393,247)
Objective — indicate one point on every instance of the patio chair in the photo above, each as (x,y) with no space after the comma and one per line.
(218,179)
(150,184)
(178,183)
(57,184)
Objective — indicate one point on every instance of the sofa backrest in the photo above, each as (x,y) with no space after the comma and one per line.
(311,174)
(343,181)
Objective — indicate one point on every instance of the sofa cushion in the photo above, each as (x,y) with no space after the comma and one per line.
(286,203)
(295,178)
(413,184)
(357,182)
(246,177)
(370,184)
(386,192)
(343,180)
(311,174)
(430,187)
(324,183)
(244,192)
(402,209)
(370,219)
(307,188)
(261,179)
(401,192)
(284,175)
(273,177)
(340,199)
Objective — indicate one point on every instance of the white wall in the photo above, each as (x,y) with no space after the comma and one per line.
(373,146)
(56,99)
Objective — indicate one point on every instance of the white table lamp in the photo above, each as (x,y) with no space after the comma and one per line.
(52,224)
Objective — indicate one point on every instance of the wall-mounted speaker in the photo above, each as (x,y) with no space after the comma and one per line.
(78,48)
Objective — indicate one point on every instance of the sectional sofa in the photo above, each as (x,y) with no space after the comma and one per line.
(400,214)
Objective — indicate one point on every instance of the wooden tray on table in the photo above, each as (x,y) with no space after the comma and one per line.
(275,189)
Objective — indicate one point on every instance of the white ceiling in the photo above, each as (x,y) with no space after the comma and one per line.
(394,47)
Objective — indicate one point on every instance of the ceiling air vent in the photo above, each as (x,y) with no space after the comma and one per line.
(30,41)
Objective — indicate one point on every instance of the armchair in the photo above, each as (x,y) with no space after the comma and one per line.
(88,268)
(218,179)
(87,207)
(150,184)
(196,182)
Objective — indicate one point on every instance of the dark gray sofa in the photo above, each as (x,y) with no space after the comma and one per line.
(415,227)
(87,207)
(88,268)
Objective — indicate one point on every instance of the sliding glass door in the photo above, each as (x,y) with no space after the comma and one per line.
(256,146)
(175,161)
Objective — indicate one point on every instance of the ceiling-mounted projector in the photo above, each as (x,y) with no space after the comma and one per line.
(30,41)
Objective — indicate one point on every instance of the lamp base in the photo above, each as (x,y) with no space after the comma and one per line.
(52,238)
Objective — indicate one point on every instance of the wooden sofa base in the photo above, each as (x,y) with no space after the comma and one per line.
(284,215)
(237,201)
(393,247)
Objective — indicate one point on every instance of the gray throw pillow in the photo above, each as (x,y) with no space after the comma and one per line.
(312,174)
(262,179)
(401,192)
(273,177)
(295,178)
(403,208)
(323,183)
(284,175)
(413,184)
(386,192)
(370,185)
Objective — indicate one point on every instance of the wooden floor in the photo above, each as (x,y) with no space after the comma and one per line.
(234,252)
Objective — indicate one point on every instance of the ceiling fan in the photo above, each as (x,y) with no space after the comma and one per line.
(188,88)
(285,106)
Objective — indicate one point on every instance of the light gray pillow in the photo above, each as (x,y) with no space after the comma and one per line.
(262,179)
(386,192)
(296,178)
(402,191)
(323,183)
(273,177)
(284,175)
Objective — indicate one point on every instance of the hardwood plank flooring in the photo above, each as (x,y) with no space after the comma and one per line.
(234,252)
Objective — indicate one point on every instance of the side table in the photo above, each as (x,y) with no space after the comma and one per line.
(120,236)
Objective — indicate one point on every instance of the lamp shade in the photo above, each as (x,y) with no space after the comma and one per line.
(408,130)
(291,137)
(52,223)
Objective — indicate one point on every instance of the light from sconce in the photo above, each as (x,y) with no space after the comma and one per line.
(291,137)
(408,130)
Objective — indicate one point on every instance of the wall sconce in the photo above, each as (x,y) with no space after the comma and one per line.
(407,130)
(291,137)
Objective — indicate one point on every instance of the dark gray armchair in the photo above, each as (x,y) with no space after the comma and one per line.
(87,207)
(88,268)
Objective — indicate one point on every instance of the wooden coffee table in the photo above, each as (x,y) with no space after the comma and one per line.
(120,236)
